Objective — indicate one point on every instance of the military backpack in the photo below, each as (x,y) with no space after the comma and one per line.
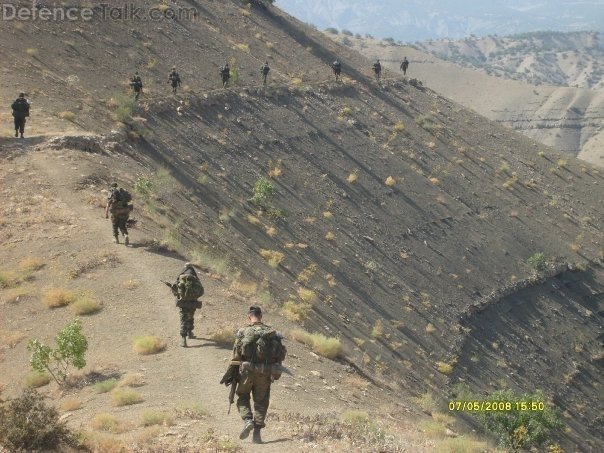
(260,344)
(189,287)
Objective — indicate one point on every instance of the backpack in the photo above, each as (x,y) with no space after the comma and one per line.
(189,287)
(261,344)
(20,108)
(120,198)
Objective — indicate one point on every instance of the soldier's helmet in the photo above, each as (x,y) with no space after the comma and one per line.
(114,184)
(173,68)
(21,95)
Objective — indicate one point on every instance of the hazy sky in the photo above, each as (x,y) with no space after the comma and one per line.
(411,20)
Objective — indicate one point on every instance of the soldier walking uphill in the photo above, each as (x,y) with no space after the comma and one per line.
(377,69)
(137,85)
(264,70)
(174,79)
(118,204)
(225,73)
(20,113)
(187,289)
(337,69)
(257,355)
(404,65)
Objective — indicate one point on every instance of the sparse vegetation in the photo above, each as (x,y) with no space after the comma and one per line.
(191,410)
(108,423)
(67,115)
(296,311)
(148,344)
(272,257)
(31,264)
(86,305)
(353,177)
(390,181)
(151,417)
(27,424)
(224,336)
(378,330)
(520,429)
(58,297)
(36,379)
(70,352)
(444,368)
(328,347)
(263,191)
(125,397)
(537,261)
(105,386)
(132,380)
(70,405)
(124,107)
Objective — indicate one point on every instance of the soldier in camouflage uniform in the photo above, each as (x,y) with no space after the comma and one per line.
(118,205)
(187,304)
(256,375)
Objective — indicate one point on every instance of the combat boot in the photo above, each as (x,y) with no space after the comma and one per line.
(248,425)
(16,133)
(183,342)
(256,438)
(116,239)
(21,134)
(126,240)
(191,335)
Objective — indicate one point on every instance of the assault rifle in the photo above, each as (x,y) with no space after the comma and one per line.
(231,377)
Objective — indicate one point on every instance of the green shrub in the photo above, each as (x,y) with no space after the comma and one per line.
(125,397)
(124,109)
(329,347)
(27,424)
(36,379)
(537,261)
(70,351)
(263,191)
(143,186)
(520,429)
(105,386)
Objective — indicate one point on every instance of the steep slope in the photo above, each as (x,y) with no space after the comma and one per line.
(397,213)
(569,119)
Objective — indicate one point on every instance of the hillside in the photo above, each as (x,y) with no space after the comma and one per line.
(401,223)
(543,58)
(566,118)
(421,20)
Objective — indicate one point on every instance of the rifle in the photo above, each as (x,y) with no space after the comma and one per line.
(231,377)
(169,285)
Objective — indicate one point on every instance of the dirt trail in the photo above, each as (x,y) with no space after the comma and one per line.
(177,375)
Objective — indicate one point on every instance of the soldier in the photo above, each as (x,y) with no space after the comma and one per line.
(377,68)
(404,65)
(174,79)
(337,69)
(137,85)
(118,204)
(187,289)
(225,73)
(265,69)
(257,355)
(20,113)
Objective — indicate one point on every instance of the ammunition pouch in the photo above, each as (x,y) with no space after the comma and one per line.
(275,369)
(189,304)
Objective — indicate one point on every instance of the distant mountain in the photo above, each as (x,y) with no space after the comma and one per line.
(429,19)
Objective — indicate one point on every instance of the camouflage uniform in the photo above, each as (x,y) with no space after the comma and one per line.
(137,85)
(251,381)
(187,313)
(174,79)
(264,70)
(377,68)
(119,216)
(225,72)
(20,113)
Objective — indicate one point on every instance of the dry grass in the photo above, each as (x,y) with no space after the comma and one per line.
(8,280)
(125,397)
(10,338)
(151,418)
(70,404)
(356,381)
(15,295)
(105,386)
(462,444)
(307,273)
(31,264)
(32,52)
(86,305)
(399,126)
(390,181)
(36,379)
(434,181)
(330,236)
(271,231)
(307,295)
(355,417)
(430,328)
(243,47)
(67,115)
(275,172)
(254,220)
(108,423)
(378,330)
(224,335)
(131,284)
(58,297)
(247,289)
(444,368)
(272,257)
(296,311)
(148,344)
(353,177)
(433,429)
(101,443)
(190,410)
(328,347)
(132,380)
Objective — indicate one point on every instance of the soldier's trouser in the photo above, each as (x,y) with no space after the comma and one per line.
(225,81)
(174,87)
(187,321)
(259,386)
(20,125)
(137,93)
(118,221)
